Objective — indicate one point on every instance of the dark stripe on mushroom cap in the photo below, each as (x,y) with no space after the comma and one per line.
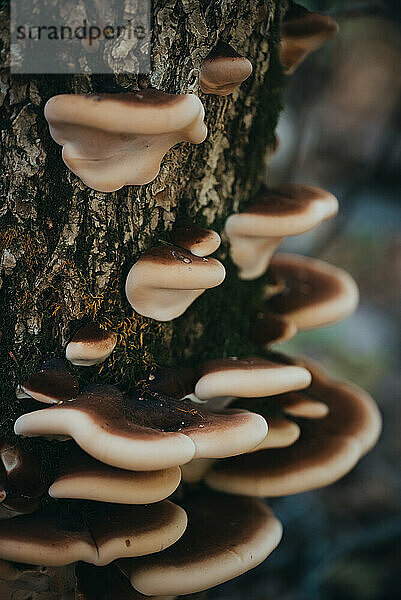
(199,241)
(299,22)
(315,294)
(52,383)
(226,536)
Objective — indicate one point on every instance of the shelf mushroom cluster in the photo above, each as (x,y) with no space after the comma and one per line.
(249,427)
(123,453)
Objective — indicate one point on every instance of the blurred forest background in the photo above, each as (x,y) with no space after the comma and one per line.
(341,130)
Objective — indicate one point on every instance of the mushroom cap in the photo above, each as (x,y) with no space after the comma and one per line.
(145,430)
(144,112)
(113,532)
(226,536)
(327,449)
(112,140)
(282,433)
(288,209)
(83,477)
(249,377)
(166,280)
(104,424)
(52,383)
(303,32)
(200,242)
(223,70)
(316,293)
(90,345)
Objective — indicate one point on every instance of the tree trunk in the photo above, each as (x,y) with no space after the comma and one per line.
(66,249)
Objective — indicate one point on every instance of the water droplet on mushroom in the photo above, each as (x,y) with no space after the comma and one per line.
(186,260)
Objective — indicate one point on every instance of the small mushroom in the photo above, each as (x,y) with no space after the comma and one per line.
(223,70)
(326,450)
(145,430)
(302,32)
(165,281)
(21,483)
(83,477)
(200,242)
(225,537)
(315,293)
(51,384)
(112,140)
(109,533)
(289,209)
(90,345)
(248,377)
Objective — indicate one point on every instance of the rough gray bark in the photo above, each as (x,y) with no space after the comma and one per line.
(66,249)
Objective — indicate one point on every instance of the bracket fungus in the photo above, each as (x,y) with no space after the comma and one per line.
(200,242)
(165,281)
(248,377)
(82,477)
(145,430)
(21,483)
(315,293)
(225,537)
(109,533)
(90,345)
(51,384)
(223,70)
(326,450)
(289,209)
(112,140)
(302,32)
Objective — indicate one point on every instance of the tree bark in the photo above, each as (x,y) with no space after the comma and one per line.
(66,249)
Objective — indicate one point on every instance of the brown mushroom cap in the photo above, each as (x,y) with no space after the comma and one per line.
(289,209)
(327,449)
(90,345)
(223,70)
(226,536)
(200,242)
(52,383)
(145,430)
(303,32)
(114,531)
(249,377)
(316,293)
(166,280)
(112,140)
(80,476)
